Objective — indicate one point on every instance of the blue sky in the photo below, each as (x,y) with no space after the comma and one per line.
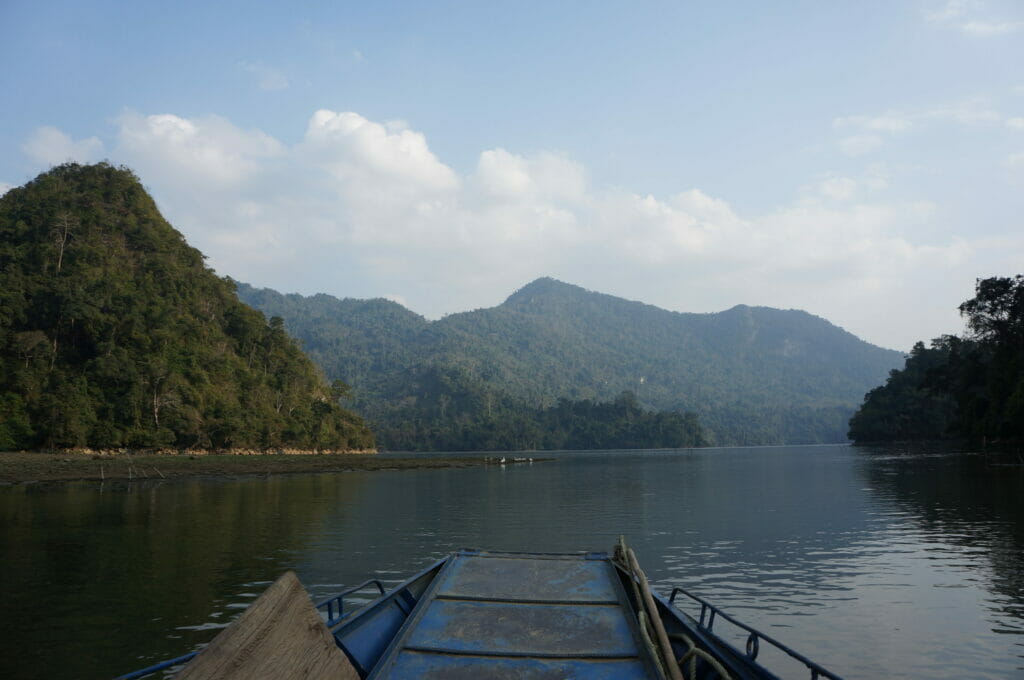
(860,160)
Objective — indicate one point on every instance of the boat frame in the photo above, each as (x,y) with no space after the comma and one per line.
(372,635)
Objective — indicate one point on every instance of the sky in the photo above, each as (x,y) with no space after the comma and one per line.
(863,161)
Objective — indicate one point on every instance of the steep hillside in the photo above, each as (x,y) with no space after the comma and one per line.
(113,333)
(966,388)
(361,339)
(754,375)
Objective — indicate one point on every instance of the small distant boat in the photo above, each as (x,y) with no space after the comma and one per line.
(480,614)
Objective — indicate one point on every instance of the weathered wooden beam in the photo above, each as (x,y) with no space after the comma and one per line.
(280,636)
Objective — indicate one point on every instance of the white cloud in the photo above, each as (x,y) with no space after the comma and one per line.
(366,209)
(889,122)
(859,145)
(356,149)
(267,77)
(506,176)
(1015,160)
(838,188)
(971,17)
(503,175)
(706,209)
(876,177)
(647,232)
(870,132)
(203,152)
(950,10)
(5,187)
(968,112)
(49,146)
(1015,123)
(987,28)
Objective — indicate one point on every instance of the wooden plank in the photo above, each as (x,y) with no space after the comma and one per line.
(279,636)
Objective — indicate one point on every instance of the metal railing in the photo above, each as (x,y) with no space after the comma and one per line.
(337,602)
(155,668)
(333,607)
(708,612)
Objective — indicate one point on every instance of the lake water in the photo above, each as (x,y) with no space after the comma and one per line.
(870,561)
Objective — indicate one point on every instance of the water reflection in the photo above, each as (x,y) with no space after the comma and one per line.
(95,583)
(873,563)
(967,514)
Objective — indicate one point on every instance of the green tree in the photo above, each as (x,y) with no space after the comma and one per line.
(970,388)
(113,332)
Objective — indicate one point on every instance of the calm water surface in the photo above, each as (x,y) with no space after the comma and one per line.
(873,562)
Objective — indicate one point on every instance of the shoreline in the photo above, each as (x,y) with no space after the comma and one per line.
(27,467)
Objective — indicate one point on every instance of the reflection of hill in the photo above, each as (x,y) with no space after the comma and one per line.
(789,539)
(961,500)
(865,561)
(130,568)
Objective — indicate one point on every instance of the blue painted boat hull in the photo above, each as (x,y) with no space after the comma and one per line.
(536,616)
(512,615)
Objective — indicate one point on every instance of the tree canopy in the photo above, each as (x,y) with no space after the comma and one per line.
(114,333)
(969,388)
(753,375)
(460,417)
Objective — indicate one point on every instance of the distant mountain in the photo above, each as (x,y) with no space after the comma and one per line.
(754,375)
(114,333)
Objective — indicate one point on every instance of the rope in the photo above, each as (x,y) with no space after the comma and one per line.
(659,628)
(646,632)
(693,653)
(652,629)
(651,626)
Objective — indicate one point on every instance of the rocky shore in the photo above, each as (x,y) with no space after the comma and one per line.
(24,467)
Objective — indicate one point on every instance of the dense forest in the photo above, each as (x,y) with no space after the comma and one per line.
(568,425)
(967,388)
(752,375)
(114,333)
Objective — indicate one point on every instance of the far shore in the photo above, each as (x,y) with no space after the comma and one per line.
(23,467)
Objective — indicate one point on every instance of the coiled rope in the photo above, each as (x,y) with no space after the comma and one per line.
(693,653)
(652,629)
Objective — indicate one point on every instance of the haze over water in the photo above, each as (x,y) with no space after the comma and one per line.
(871,562)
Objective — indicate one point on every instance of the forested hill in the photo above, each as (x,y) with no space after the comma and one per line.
(966,388)
(754,375)
(114,333)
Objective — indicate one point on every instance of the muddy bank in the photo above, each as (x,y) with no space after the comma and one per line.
(24,467)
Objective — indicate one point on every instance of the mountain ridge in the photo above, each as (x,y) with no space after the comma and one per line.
(755,375)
